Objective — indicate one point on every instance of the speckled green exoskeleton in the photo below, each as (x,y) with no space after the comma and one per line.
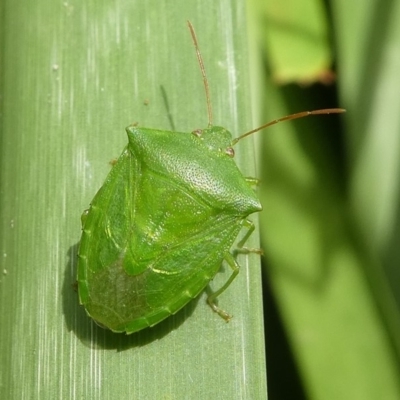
(164,221)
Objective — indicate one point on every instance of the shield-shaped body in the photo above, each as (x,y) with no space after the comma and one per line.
(160,227)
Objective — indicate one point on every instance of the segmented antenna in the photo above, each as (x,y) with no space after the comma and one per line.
(275,121)
(203,73)
(290,117)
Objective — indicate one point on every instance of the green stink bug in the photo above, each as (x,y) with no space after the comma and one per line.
(166,218)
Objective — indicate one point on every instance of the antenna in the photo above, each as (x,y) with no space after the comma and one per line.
(290,117)
(275,121)
(203,73)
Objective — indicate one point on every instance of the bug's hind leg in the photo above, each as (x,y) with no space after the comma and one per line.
(231,261)
(230,258)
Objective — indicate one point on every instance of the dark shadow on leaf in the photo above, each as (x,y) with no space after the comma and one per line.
(166,103)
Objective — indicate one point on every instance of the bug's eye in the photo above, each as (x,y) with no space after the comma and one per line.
(197,132)
(230,152)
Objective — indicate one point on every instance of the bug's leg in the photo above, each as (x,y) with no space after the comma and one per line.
(252,181)
(211,298)
(231,261)
(246,250)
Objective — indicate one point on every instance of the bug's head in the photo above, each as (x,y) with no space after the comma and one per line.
(216,139)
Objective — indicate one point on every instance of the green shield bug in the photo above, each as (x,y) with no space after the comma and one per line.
(165,219)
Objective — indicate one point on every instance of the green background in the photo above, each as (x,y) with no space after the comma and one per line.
(330,225)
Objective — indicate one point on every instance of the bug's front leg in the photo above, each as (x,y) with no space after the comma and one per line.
(252,181)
